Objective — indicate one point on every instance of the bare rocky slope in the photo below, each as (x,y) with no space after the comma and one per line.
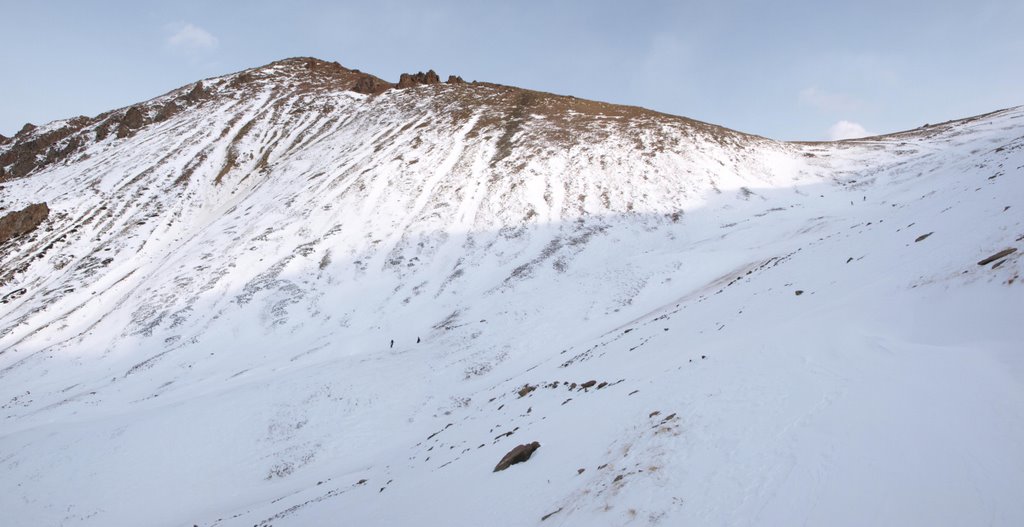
(302,295)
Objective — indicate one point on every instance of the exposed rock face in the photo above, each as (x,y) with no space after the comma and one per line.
(197,93)
(518,454)
(133,120)
(166,111)
(408,80)
(30,151)
(19,222)
(370,85)
(455,79)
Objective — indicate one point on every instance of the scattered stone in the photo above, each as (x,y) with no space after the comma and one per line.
(654,413)
(580,470)
(997,256)
(526,389)
(518,454)
(587,384)
(799,292)
(923,237)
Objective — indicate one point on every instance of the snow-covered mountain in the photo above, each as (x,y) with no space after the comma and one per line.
(299,295)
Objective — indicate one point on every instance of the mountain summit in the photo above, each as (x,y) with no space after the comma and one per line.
(303,295)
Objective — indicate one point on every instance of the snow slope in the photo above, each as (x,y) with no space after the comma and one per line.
(204,332)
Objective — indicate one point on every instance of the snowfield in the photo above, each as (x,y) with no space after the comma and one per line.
(780,333)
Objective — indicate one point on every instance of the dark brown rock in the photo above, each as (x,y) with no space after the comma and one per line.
(32,150)
(408,80)
(998,256)
(133,118)
(20,222)
(25,130)
(455,79)
(518,454)
(923,237)
(370,85)
(587,384)
(197,93)
(166,111)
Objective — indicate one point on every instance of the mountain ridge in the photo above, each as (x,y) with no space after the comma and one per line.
(58,139)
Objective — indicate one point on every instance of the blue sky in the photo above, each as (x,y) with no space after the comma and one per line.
(788,70)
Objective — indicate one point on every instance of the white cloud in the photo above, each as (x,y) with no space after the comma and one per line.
(847,130)
(828,101)
(191,38)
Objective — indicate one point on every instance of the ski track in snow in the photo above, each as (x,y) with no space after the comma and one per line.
(771,345)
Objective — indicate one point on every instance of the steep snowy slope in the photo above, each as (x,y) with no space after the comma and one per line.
(201,330)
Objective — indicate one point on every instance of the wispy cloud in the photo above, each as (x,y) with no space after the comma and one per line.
(190,38)
(847,130)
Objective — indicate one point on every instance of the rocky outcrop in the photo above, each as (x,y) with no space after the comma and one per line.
(370,85)
(166,111)
(25,130)
(408,80)
(24,221)
(518,454)
(197,93)
(455,79)
(31,149)
(133,120)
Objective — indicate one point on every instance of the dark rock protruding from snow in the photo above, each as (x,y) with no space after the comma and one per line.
(518,454)
(370,85)
(455,79)
(408,80)
(197,93)
(24,221)
(25,130)
(133,120)
(32,148)
(997,256)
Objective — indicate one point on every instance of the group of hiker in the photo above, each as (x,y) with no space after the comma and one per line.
(393,342)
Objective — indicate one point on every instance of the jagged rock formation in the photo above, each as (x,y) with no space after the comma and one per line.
(408,80)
